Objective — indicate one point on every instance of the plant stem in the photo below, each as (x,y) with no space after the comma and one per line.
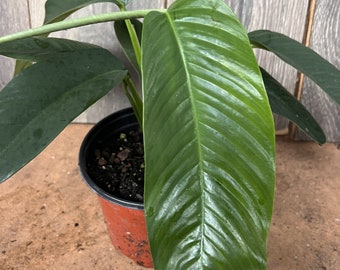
(73,23)
(135,100)
(134,39)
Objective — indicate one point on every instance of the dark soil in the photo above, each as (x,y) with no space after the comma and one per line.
(118,167)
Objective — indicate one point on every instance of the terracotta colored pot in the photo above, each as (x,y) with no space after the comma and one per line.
(125,220)
(127,231)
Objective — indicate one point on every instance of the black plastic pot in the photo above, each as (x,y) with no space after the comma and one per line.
(125,219)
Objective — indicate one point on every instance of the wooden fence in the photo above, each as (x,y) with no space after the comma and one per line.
(313,22)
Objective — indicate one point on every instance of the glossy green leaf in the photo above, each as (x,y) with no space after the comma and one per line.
(285,104)
(40,48)
(125,41)
(209,140)
(302,58)
(40,101)
(56,10)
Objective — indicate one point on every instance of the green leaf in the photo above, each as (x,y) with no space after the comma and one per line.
(40,101)
(20,65)
(209,140)
(56,10)
(125,41)
(286,105)
(302,58)
(40,48)
(122,3)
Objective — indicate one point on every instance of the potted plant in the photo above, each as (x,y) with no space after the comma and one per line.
(111,161)
(208,130)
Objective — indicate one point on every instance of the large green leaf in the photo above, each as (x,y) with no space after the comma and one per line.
(39,48)
(285,104)
(56,10)
(209,140)
(40,101)
(302,58)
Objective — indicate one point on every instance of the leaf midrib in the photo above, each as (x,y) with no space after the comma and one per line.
(196,129)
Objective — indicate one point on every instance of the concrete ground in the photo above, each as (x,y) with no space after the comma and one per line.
(51,220)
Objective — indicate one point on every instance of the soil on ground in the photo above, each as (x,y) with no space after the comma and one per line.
(51,220)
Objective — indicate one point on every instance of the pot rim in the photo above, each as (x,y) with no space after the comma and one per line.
(124,115)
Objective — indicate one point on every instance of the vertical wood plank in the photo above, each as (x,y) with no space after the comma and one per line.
(276,15)
(100,34)
(14,17)
(286,17)
(325,40)
(103,35)
(37,12)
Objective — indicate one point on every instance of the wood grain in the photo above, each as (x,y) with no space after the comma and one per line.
(14,17)
(325,40)
(287,17)
(102,35)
